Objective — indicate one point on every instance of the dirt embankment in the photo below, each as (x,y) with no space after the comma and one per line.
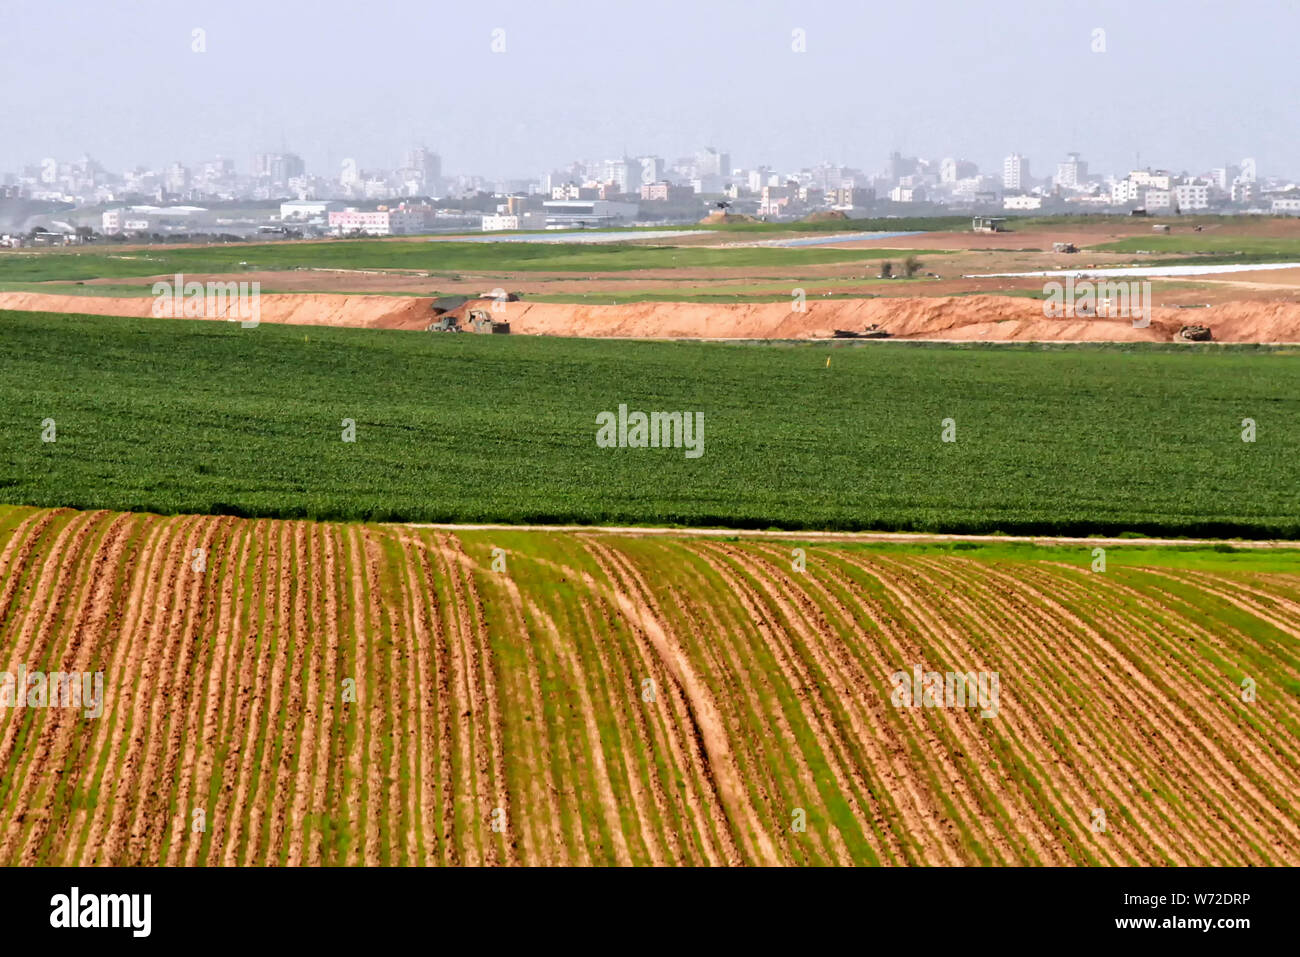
(970,318)
(363,312)
(973,318)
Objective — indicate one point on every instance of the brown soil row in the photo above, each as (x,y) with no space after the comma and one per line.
(498,716)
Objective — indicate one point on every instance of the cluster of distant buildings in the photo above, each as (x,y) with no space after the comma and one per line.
(1232,187)
(415,197)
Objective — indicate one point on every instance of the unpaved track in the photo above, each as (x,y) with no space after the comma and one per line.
(499,718)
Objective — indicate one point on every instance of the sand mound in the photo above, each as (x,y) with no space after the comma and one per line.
(826,216)
(722,217)
(969,318)
(368,312)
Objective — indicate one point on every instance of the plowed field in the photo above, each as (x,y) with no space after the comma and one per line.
(282,692)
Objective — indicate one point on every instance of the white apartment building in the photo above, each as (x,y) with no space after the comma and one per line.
(1015,172)
(1192,196)
(1022,202)
(1121,192)
(908,194)
(1148,180)
(1158,199)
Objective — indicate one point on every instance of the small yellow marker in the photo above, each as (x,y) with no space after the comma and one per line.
(828,362)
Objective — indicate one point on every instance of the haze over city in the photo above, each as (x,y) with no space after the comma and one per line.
(505,90)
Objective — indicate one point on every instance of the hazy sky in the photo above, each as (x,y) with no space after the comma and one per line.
(1187,84)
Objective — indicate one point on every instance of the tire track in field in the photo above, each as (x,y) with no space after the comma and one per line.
(642,796)
(831,657)
(774,638)
(655,728)
(741,680)
(778,638)
(697,716)
(578,677)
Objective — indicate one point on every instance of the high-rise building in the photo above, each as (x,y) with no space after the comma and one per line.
(1073,173)
(349,174)
(711,162)
(1015,172)
(427,164)
(278,168)
(176,179)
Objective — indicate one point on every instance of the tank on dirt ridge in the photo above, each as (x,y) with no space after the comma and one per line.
(1195,334)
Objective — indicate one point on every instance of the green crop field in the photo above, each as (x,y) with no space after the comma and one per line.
(417,255)
(1211,247)
(174,416)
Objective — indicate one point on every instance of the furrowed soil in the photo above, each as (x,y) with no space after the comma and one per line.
(305,693)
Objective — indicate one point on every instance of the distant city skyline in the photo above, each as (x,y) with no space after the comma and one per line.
(508,89)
